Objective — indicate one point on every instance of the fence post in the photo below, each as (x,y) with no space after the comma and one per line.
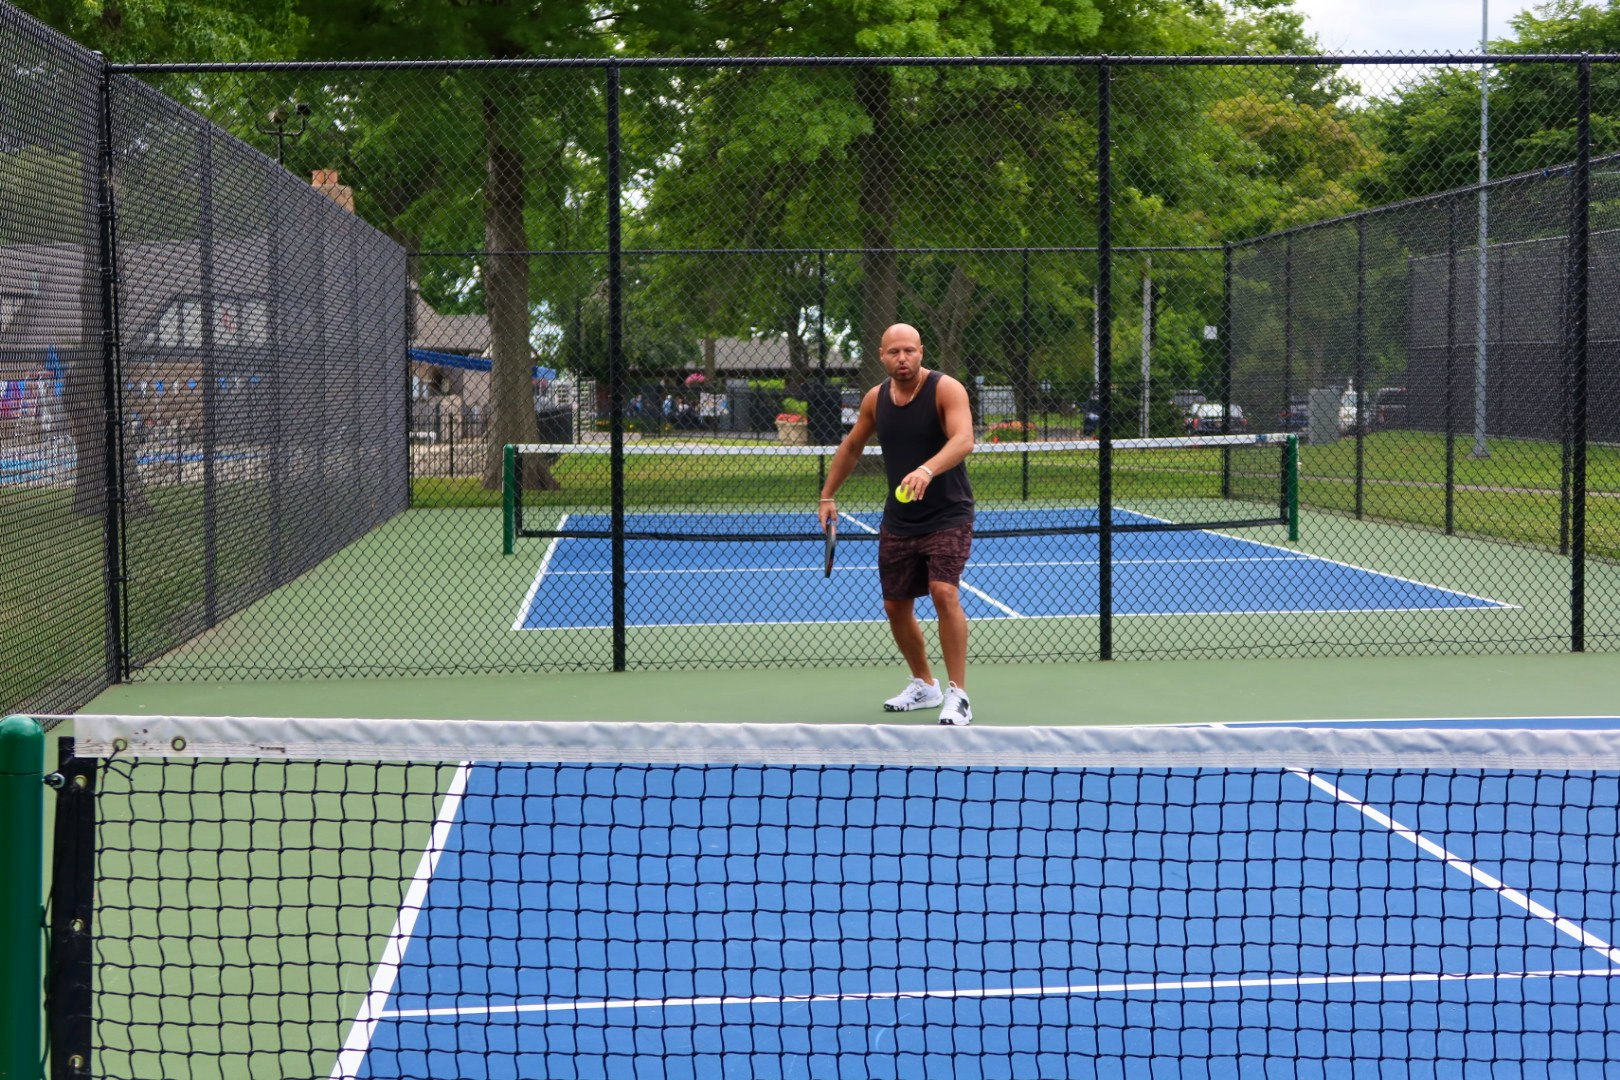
(22,880)
(1023,366)
(1226,367)
(1361,363)
(1288,326)
(616,364)
(1451,369)
(210,397)
(117,626)
(1105,369)
(1575,345)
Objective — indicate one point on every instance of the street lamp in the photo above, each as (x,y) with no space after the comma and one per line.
(278,128)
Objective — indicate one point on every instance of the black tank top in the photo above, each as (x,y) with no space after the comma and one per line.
(910,434)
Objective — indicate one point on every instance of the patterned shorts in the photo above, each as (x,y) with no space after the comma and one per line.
(906,564)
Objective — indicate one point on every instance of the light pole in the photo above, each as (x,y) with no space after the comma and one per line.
(278,128)
(1480,449)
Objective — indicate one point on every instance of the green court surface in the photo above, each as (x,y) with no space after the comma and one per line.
(1171,691)
(430,593)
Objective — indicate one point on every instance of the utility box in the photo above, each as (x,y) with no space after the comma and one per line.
(556,424)
(1322,422)
(824,405)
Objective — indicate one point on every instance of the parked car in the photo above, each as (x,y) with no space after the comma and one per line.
(849,401)
(1296,417)
(1205,419)
(1090,417)
(1390,408)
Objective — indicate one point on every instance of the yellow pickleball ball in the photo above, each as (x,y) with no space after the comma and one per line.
(901,494)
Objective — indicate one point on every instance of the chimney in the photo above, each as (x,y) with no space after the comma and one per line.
(325,181)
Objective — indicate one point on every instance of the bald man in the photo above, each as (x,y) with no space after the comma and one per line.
(925,426)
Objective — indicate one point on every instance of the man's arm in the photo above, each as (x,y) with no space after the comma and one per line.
(848,454)
(956,417)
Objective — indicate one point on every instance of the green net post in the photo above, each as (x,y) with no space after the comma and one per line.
(508,498)
(22,856)
(1291,485)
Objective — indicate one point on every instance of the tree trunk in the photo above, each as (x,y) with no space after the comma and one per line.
(949,322)
(798,354)
(879,166)
(506,290)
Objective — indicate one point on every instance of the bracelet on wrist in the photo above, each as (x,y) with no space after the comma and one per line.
(926,469)
(829,500)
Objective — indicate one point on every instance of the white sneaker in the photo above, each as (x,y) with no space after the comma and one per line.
(916,695)
(957,711)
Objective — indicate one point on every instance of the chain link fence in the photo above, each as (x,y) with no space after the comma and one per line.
(667,278)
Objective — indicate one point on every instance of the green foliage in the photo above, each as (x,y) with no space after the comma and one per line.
(1429,133)
(799,158)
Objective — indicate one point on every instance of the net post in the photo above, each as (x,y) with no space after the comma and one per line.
(508,498)
(22,879)
(1291,486)
(69,985)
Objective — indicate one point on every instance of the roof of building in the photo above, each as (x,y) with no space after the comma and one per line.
(751,355)
(467,335)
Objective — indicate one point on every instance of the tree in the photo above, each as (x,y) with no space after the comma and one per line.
(511,124)
(1429,132)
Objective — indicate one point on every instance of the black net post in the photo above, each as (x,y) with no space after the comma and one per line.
(69,985)
(616,363)
(1576,349)
(1105,376)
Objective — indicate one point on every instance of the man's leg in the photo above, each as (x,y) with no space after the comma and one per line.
(909,636)
(953,630)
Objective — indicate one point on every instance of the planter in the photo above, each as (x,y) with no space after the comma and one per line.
(796,432)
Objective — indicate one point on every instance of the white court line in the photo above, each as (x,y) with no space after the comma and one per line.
(1227,614)
(539,575)
(1501,888)
(353,1055)
(1147,986)
(1350,566)
(1014,565)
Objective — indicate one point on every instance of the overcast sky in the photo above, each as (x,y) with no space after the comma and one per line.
(1404,25)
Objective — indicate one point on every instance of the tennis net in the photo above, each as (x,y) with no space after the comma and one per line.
(753,492)
(386,899)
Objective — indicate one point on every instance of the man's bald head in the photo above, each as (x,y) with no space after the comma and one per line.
(902,353)
(900,332)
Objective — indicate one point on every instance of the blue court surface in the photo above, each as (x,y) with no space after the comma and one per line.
(1194,572)
(763,921)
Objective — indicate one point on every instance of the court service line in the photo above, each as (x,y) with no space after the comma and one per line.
(372,1009)
(1501,888)
(1148,986)
(961,583)
(539,575)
